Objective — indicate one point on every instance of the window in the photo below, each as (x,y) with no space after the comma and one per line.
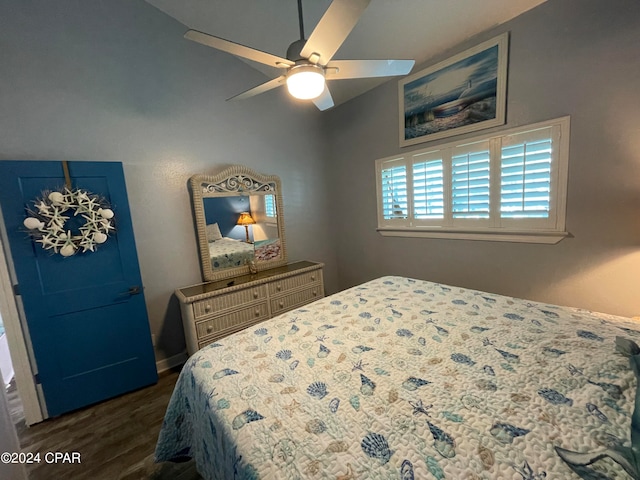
(394,192)
(428,192)
(509,187)
(470,181)
(270,206)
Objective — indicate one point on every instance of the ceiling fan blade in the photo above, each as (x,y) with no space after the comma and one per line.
(264,87)
(332,29)
(324,101)
(367,68)
(237,49)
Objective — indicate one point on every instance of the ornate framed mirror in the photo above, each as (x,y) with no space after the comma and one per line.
(239,222)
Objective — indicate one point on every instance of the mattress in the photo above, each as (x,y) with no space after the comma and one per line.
(228,252)
(403,378)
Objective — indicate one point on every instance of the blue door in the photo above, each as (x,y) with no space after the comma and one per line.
(86,313)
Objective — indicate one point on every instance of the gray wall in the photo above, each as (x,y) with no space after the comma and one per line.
(115,81)
(567,57)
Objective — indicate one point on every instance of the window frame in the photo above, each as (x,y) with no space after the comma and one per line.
(548,230)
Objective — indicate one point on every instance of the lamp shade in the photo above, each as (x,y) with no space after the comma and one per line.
(305,82)
(246,219)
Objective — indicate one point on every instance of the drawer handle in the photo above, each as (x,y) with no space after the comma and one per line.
(278,287)
(313,277)
(255,294)
(207,308)
(257,312)
(209,329)
(281,304)
(315,293)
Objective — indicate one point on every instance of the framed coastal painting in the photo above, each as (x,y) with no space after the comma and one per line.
(462,94)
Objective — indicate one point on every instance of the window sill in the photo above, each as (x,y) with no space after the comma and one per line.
(549,238)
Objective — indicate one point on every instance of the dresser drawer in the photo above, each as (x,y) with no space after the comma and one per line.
(208,306)
(203,342)
(238,318)
(293,300)
(297,281)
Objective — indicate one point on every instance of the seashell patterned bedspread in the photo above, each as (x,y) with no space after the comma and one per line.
(402,378)
(228,252)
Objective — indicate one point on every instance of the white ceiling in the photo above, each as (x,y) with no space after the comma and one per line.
(388,29)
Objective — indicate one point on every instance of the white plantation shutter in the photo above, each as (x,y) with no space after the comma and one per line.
(509,186)
(525,190)
(395,201)
(428,190)
(270,206)
(470,183)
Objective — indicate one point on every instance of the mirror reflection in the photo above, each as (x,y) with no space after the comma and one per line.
(239,224)
(240,229)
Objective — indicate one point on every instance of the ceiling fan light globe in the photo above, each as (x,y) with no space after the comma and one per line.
(305,82)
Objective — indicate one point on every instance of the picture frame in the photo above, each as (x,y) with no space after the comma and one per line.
(461,94)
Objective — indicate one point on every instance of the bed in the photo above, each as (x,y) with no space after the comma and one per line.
(408,379)
(229,252)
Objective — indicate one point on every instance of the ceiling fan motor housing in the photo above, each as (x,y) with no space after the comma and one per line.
(293,52)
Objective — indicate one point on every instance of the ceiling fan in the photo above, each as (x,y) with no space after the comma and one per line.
(308,63)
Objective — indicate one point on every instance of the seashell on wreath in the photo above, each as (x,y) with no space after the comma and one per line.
(48,222)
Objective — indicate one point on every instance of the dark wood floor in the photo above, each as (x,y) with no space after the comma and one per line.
(116,439)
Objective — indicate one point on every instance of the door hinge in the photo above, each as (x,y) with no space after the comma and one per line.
(36,378)
(16,289)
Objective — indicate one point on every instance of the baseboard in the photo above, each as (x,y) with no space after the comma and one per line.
(171,362)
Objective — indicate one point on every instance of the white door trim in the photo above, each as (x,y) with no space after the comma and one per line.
(18,345)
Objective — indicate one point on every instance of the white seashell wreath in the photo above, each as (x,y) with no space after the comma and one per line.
(48,225)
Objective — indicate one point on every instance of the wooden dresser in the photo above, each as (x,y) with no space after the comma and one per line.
(216,309)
